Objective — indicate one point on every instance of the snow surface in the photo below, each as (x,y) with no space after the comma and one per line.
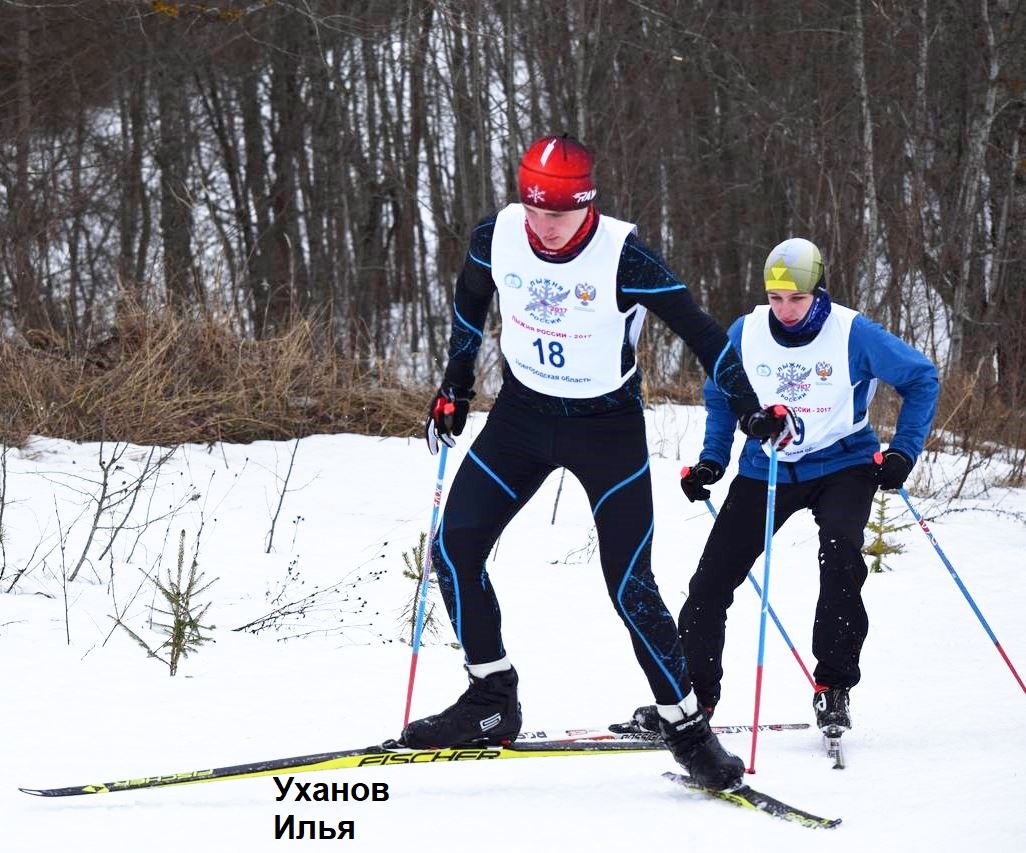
(934,762)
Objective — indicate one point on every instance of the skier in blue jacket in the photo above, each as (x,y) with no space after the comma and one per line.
(822,361)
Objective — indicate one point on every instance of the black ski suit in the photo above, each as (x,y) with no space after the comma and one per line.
(600,440)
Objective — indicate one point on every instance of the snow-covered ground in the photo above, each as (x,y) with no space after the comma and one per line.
(935,760)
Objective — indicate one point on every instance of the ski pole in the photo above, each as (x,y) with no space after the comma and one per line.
(425,577)
(958,581)
(772,613)
(771,500)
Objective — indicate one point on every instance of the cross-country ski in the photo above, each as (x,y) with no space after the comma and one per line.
(748,798)
(567,743)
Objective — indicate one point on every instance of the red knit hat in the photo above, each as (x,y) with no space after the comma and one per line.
(555,174)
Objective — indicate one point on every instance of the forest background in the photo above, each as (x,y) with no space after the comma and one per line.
(243,220)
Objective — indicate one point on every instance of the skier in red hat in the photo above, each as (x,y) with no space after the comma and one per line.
(574,287)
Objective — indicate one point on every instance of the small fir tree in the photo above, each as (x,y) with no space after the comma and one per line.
(415,571)
(182,612)
(879,546)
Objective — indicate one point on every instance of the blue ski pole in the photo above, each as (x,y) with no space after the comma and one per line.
(961,586)
(772,613)
(425,576)
(771,500)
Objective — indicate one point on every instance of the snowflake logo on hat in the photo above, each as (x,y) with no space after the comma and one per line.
(535,194)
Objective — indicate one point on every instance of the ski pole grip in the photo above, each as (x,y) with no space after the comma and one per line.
(685,471)
(878,458)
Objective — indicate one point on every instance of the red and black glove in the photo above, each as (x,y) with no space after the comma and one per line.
(447,416)
(892,469)
(775,423)
(693,481)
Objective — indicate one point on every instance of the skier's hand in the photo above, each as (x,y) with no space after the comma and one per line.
(775,423)
(693,481)
(447,416)
(892,469)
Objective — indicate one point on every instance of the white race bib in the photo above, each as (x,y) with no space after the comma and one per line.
(562,332)
(813,380)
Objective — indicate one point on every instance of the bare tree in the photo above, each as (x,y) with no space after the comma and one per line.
(279,160)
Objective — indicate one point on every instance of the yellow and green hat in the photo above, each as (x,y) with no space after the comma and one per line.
(795,264)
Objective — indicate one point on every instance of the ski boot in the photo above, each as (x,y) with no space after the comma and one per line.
(488,713)
(833,716)
(695,747)
(646,719)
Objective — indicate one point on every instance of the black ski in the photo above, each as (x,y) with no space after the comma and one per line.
(748,798)
(632,727)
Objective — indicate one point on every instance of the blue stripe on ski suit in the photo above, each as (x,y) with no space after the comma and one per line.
(492,474)
(671,680)
(457,619)
(628,573)
(620,485)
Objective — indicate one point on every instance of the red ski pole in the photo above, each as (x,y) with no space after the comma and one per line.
(425,575)
(958,581)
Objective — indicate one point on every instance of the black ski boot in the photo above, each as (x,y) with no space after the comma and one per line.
(646,718)
(488,713)
(696,748)
(644,721)
(833,716)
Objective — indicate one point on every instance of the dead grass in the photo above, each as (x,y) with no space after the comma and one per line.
(161,379)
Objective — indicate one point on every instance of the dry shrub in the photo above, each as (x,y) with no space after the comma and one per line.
(685,390)
(981,417)
(975,410)
(161,378)
(976,417)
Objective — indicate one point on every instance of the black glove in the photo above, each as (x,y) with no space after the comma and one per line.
(693,481)
(775,423)
(447,416)
(892,469)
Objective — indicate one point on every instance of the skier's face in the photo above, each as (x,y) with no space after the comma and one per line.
(789,306)
(555,227)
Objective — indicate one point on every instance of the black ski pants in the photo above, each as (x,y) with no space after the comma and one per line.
(840,504)
(514,453)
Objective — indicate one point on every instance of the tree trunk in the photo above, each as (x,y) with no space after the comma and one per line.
(870,214)
(28,304)
(176,201)
(968,196)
